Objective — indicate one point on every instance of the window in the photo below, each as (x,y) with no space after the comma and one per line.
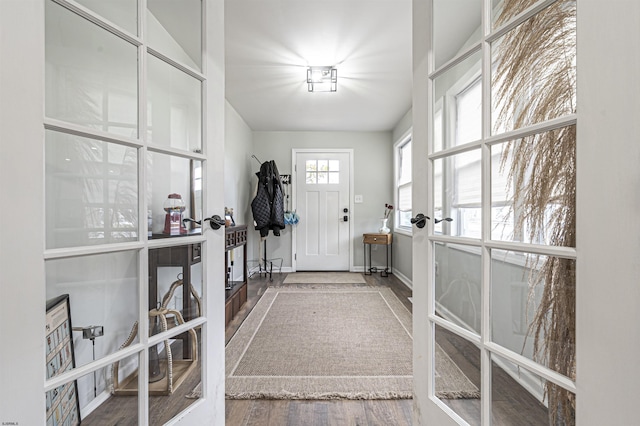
(322,172)
(402,153)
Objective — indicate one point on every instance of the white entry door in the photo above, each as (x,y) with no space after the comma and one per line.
(322,194)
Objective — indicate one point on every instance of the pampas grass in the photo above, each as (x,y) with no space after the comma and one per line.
(536,80)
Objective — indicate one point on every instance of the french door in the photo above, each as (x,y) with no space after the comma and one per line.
(133,104)
(322,188)
(500,133)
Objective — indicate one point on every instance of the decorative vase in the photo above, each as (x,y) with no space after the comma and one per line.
(384,229)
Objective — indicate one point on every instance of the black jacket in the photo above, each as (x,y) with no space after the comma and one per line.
(268,205)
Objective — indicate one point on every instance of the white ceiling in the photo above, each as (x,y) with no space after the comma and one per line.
(269,44)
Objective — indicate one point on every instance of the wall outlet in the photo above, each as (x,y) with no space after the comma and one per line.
(358,199)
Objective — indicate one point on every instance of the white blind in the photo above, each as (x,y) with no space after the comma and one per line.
(468,178)
(404,197)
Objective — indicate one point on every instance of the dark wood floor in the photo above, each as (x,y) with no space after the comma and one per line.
(512,405)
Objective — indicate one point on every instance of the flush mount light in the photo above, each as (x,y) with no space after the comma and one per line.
(322,79)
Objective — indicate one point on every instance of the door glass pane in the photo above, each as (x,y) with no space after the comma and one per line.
(517,390)
(457,194)
(533,184)
(175,107)
(533,302)
(457,375)
(457,284)
(311,165)
(457,105)
(61,401)
(456,27)
(103,299)
(184,378)
(175,286)
(534,76)
(174,194)
(123,401)
(91,191)
(175,30)
(123,13)
(91,75)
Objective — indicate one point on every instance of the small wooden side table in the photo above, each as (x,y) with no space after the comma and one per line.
(382,239)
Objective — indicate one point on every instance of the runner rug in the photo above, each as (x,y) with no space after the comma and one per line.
(352,343)
(324,278)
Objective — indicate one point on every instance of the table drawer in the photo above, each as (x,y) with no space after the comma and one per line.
(377,238)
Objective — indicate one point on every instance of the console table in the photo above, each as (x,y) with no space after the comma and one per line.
(381,239)
(182,256)
(235,291)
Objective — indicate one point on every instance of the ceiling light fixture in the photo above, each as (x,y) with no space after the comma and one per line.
(322,79)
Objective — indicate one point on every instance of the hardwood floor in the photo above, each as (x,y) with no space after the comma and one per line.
(512,405)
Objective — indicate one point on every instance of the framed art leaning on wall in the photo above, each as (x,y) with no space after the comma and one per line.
(62,402)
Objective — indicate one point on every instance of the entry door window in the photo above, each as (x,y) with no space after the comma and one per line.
(503,156)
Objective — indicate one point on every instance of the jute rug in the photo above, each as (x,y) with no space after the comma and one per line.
(324,278)
(352,343)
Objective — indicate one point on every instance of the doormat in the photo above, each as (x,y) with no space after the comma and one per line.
(353,343)
(324,278)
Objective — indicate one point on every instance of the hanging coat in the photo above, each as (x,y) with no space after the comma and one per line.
(268,205)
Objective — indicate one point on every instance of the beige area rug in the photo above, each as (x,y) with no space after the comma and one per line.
(324,278)
(353,343)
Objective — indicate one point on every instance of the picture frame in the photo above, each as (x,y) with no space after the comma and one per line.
(62,404)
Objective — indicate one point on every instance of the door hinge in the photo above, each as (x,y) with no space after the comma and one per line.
(295,256)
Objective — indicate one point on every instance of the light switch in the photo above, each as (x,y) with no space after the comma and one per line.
(358,199)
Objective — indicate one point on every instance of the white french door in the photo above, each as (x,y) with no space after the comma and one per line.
(500,149)
(322,187)
(132,106)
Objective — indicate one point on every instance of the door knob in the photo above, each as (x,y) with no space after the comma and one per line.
(215,221)
(448,219)
(420,220)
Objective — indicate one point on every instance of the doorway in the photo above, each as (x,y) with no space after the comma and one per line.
(321,187)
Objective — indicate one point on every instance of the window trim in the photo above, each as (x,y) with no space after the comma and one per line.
(397,146)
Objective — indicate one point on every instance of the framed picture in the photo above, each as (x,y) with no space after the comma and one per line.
(63,407)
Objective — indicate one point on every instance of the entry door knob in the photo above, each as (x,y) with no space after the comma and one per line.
(420,220)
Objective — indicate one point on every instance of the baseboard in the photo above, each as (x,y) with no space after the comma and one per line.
(405,280)
(523,377)
(95,403)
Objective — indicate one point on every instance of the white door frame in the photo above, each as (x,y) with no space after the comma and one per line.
(294,153)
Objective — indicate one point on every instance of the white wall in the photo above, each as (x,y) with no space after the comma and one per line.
(373,171)
(237,174)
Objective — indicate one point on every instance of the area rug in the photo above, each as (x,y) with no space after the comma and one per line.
(324,278)
(353,343)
